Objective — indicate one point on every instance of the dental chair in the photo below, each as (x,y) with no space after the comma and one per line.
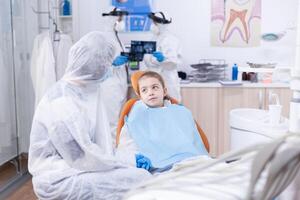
(128,105)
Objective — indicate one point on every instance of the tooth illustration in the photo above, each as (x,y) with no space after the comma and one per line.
(237,18)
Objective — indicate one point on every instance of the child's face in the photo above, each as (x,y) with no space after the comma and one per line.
(152,92)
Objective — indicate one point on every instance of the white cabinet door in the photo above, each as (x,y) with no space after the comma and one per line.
(203,102)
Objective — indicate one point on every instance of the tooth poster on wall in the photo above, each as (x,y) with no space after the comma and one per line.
(137,20)
(236,23)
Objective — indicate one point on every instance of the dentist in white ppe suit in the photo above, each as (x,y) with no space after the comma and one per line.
(70,154)
(167,58)
(115,87)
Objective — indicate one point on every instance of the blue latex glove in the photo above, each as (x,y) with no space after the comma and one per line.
(120,60)
(159,56)
(142,162)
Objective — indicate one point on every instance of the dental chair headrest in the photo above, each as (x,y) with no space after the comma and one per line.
(134,81)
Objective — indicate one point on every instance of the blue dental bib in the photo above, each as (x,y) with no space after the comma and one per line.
(165,135)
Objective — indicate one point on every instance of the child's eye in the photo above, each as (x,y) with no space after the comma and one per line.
(144,90)
(155,87)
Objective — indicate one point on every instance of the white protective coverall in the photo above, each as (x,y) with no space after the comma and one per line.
(115,87)
(70,154)
(169,46)
(61,54)
(42,66)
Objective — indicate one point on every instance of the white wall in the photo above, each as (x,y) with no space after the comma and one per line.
(191,23)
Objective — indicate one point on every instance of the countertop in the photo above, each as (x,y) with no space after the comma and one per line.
(244,84)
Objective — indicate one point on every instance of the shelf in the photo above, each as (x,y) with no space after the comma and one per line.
(65,16)
(245,84)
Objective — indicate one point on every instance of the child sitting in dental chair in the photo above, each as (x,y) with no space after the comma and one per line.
(156,133)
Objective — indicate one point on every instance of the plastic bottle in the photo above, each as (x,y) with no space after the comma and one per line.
(66,8)
(235,72)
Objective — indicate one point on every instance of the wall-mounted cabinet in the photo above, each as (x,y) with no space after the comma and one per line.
(65,16)
(66,24)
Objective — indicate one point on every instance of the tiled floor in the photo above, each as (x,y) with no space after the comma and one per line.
(8,170)
(23,193)
(8,173)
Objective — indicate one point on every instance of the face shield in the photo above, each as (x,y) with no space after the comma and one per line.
(119,25)
(159,18)
(90,59)
(115,19)
(160,23)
